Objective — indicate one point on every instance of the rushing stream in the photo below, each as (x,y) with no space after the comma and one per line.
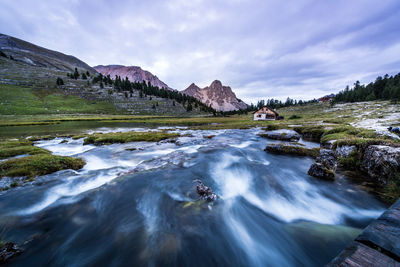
(140,207)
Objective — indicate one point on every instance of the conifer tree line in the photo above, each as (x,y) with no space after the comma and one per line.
(271,103)
(386,88)
(147,89)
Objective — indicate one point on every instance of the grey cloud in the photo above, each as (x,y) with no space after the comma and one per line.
(263,49)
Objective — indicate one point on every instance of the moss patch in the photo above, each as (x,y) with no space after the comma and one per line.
(37,165)
(10,149)
(292,150)
(111,138)
(312,133)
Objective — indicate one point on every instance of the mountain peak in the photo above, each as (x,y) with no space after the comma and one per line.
(219,97)
(216,84)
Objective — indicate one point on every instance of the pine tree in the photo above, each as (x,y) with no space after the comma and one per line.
(84,77)
(76,74)
(59,81)
(189,107)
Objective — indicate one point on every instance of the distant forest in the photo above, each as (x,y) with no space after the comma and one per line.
(386,88)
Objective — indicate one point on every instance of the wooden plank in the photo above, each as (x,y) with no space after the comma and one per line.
(357,255)
(385,231)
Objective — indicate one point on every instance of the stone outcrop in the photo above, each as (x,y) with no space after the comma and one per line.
(327,158)
(283,135)
(345,151)
(320,171)
(134,74)
(218,96)
(204,191)
(381,162)
(7,251)
(325,165)
(292,150)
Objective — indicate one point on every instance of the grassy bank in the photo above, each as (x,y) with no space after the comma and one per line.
(18,100)
(111,138)
(40,164)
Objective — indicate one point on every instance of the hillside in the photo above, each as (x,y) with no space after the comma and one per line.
(31,72)
(34,55)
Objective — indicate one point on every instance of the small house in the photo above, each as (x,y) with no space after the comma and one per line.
(265,113)
(326,98)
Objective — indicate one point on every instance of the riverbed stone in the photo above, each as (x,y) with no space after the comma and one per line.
(288,149)
(381,162)
(345,151)
(327,158)
(283,135)
(320,171)
(8,250)
(204,191)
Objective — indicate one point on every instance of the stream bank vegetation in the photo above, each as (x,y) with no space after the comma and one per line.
(332,126)
(125,137)
(23,159)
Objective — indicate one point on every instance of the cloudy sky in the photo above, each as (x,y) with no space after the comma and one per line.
(261,48)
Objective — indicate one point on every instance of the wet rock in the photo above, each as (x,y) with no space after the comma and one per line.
(381,162)
(292,150)
(8,250)
(209,136)
(327,158)
(283,135)
(205,192)
(344,151)
(329,144)
(319,171)
(64,141)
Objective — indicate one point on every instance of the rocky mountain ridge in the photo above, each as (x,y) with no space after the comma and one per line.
(31,54)
(218,96)
(134,74)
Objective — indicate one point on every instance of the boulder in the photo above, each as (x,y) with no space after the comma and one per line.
(327,158)
(329,144)
(283,135)
(319,171)
(205,192)
(381,162)
(292,150)
(344,151)
(7,251)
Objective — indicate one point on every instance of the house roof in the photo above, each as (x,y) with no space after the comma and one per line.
(264,110)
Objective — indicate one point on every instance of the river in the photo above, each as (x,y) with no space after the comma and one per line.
(140,207)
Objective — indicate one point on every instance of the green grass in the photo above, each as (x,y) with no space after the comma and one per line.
(10,149)
(111,138)
(37,165)
(18,100)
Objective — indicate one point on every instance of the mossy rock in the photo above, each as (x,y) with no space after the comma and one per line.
(311,133)
(292,150)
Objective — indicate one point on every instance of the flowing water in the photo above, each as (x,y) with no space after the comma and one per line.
(140,207)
